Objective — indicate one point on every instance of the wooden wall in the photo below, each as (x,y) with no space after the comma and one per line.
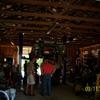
(71,54)
(94,49)
(9,51)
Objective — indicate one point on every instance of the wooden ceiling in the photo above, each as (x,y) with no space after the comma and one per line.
(50,20)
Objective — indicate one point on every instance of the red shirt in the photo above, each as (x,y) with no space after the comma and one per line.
(47,68)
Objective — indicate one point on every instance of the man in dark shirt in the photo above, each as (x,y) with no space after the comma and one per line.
(25,68)
(25,75)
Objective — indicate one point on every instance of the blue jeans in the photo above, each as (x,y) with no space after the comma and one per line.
(46,85)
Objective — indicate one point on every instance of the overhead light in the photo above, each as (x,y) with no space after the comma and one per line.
(48,32)
(12,43)
(8,6)
(23,33)
(67,41)
(52,38)
(54,10)
(74,39)
(57,23)
(5,59)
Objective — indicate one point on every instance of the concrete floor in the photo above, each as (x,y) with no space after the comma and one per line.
(58,93)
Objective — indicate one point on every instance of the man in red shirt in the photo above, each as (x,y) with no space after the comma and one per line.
(47,69)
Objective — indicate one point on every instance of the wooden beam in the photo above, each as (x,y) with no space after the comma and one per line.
(25,22)
(54,16)
(32,28)
(29,36)
(44,23)
(74,32)
(56,30)
(37,3)
(81,26)
(54,4)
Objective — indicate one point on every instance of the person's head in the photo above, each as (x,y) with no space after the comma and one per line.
(34,59)
(51,60)
(25,61)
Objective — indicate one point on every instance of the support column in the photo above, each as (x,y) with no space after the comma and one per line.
(20,48)
(64,78)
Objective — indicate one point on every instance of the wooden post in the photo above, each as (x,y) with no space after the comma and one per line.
(20,49)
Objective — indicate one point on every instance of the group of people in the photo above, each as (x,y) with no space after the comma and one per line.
(10,75)
(47,69)
(10,80)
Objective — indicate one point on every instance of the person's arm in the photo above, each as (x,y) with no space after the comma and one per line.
(41,69)
(54,69)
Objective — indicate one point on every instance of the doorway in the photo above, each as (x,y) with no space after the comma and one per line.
(25,57)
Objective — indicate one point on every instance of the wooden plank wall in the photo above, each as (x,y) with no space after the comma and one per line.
(9,51)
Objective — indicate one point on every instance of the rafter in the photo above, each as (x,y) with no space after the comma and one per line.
(75,32)
(25,22)
(36,17)
(46,23)
(54,4)
(55,16)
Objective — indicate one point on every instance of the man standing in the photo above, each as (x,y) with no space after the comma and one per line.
(47,69)
(25,75)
